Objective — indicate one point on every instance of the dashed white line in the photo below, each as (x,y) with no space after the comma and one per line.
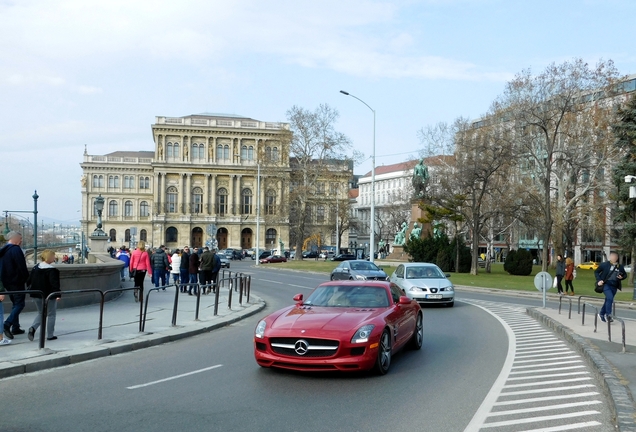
(547,370)
(548,389)
(547,398)
(540,419)
(544,408)
(548,359)
(532,384)
(173,377)
(548,376)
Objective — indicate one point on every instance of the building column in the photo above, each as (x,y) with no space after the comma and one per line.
(183,187)
(239,189)
(188,191)
(212,194)
(231,197)
(157,193)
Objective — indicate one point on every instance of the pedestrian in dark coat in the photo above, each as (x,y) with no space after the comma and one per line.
(46,278)
(14,275)
(609,275)
(194,271)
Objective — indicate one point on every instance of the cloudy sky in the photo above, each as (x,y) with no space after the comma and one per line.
(77,73)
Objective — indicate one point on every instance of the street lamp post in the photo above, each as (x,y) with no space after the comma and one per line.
(99,206)
(372,234)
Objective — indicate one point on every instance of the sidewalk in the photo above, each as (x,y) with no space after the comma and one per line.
(77,328)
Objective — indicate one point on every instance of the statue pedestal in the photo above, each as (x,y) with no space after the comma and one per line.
(416,214)
(398,254)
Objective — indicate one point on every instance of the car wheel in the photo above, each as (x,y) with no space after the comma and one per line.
(418,335)
(228,266)
(451,304)
(383,362)
(333,277)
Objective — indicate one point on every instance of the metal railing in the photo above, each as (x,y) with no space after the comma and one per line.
(570,309)
(609,331)
(595,315)
(601,299)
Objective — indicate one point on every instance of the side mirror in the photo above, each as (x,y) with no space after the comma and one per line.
(404,300)
(399,276)
(447,275)
(298,298)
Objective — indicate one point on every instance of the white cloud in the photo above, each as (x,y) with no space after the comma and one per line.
(87,90)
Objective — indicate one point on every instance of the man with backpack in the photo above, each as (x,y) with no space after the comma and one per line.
(159,262)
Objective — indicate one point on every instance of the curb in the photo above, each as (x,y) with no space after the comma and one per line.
(53,360)
(622,406)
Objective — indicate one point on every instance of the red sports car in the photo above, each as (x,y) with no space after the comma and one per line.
(273,259)
(342,325)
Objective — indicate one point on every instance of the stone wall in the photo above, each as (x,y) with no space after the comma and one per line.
(103,273)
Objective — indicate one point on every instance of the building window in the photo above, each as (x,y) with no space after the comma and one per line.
(143,209)
(127,235)
(113,181)
(172,235)
(308,215)
(169,150)
(98,181)
(275,154)
(129,182)
(112,235)
(270,236)
(246,201)
(268,154)
(320,214)
(143,235)
(250,153)
(144,182)
(221,201)
(198,152)
(197,200)
(112,208)
(171,199)
(176,151)
(128,208)
(270,202)
(320,188)
(244,153)
(222,152)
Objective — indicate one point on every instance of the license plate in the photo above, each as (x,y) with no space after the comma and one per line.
(433,296)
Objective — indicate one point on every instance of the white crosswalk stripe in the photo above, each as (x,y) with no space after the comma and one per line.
(544,385)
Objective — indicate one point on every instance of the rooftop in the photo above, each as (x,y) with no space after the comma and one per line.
(132,154)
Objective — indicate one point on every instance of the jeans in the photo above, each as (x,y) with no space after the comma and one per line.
(51,313)
(559,278)
(1,315)
(122,272)
(13,320)
(184,277)
(609,292)
(158,274)
(568,284)
(193,280)
(175,277)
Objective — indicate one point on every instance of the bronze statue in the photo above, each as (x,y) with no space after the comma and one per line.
(420,179)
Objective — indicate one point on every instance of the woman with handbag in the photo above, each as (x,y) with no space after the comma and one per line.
(569,276)
(140,265)
(46,278)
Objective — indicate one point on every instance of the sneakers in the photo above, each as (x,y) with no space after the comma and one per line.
(52,338)
(5,341)
(18,330)
(31,334)
(602,317)
(609,318)
(7,332)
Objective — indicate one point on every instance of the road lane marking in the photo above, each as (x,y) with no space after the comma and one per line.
(174,377)
(574,426)
(549,359)
(546,390)
(541,369)
(548,376)
(540,419)
(544,408)
(547,354)
(546,398)
(300,286)
(548,364)
(561,381)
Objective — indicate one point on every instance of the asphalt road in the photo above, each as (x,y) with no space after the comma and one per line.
(211,382)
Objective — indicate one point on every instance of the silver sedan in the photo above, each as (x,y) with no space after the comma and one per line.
(424,283)
(358,270)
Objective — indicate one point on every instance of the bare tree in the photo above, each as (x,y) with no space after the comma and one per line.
(555,129)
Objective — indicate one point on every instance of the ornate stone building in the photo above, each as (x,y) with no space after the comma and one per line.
(201,175)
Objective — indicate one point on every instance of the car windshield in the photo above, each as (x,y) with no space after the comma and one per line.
(348,296)
(364,266)
(423,272)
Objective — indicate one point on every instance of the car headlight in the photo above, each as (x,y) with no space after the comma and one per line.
(415,289)
(363,333)
(450,288)
(360,277)
(260,329)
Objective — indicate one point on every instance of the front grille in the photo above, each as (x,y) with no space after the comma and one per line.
(358,351)
(261,346)
(314,347)
(378,278)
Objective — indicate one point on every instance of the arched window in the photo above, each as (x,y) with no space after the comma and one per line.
(113,208)
(268,154)
(172,235)
(129,182)
(169,150)
(244,152)
(171,199)
(226,152)
(250,153)
(270,237)
(275,154)
(143,235)
(270,202)
(144,182)
(128,208)
(144,211)
(111,181)
(197,200)
(219,152)
(221,201)
(95,181)
(320,214)
(112,235)
(127,235)
(176,150)
(246,201)
(101,181)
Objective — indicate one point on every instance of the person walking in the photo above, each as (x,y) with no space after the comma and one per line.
(4,340)
(160,263)
(205,268)
(215,271)
(560,273)
(169,267)
(123,256)
(14,275)
(46,278)
(175,266)
(183,268)
(193,270)
(140,265)
(609,275)
(569,276)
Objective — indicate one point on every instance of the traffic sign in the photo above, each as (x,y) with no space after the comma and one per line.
(543,281)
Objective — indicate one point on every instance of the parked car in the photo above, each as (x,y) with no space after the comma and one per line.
(273,259)
(424,283)
(590,265)
(343,257)
(358,270)
(292,254)
(326,255)
(342,325)
(264,254)
(310,254)
(225,263)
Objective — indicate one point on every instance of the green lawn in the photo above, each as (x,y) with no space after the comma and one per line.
(583,284)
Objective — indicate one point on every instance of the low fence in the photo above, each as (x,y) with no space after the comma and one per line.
(238,282)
